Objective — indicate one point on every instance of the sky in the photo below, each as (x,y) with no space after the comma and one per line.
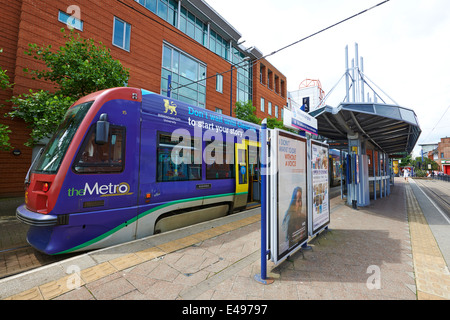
(405,45)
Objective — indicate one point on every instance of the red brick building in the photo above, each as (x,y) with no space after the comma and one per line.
(443,153)
(185,39)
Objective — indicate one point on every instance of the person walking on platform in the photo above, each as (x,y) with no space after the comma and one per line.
(405,174)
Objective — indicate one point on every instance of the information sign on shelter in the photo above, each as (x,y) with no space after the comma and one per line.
(300,120)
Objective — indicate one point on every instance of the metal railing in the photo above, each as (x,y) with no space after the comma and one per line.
(444,177)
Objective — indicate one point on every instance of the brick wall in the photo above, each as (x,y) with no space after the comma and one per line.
(35,21)
(276,94)
(12,168)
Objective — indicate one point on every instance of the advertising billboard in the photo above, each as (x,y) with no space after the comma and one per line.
(289,194)
(395,163)
(320,187)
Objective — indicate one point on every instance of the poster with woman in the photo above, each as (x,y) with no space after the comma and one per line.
(292,206)
(320,197)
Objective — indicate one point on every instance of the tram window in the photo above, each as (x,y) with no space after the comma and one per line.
(219,165)
(105,158)
(175,165)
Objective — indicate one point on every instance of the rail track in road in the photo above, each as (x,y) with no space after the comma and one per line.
(437,191)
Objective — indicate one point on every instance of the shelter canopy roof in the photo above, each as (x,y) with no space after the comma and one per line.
(390,128)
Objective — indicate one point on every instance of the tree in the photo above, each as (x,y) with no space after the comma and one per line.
(424,165)
(246,111)
(42,110)
(78,68)
(406,161)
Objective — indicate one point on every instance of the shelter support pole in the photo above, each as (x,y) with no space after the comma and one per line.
(262,277)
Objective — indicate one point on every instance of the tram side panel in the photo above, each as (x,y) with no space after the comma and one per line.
(177,187)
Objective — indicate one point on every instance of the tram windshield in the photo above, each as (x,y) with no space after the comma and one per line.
(56,148)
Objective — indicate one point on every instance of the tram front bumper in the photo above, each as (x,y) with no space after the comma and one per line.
(35,219)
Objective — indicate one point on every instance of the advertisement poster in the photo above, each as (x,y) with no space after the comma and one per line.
(395,163)
(320,186)
(292,224)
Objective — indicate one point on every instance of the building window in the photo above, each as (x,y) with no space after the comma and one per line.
(269,108)
(270,79)
(165,9)
(262,74)
(276,111)
(442,155)
(219,45)
(218,110)
(188,76)
(262,105)
(277,84)
(244,76)
(70,21)
(193,26)
(219,83)
(121,34)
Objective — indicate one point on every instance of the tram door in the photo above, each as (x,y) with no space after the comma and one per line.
(247,173)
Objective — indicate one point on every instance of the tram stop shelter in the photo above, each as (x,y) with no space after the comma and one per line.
(369,136)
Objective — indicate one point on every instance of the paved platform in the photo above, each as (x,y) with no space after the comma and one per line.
(382,251)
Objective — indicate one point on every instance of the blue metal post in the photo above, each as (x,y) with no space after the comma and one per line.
(263,201)
(263,276)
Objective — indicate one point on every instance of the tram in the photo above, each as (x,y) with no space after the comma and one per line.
(127,163)
(335,170)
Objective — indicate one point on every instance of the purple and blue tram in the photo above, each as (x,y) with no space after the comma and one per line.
(127,163)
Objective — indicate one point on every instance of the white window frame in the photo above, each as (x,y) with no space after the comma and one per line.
(123,47)
(262,105)
(219,83)
(77,25)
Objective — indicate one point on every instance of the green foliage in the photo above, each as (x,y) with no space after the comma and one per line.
(420,173)
(78,68)
(406,161)
(42,111)
(424,165)
(4,137)
(418,164)
(246,111)
(273,123)
(4,129)
(4,79)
